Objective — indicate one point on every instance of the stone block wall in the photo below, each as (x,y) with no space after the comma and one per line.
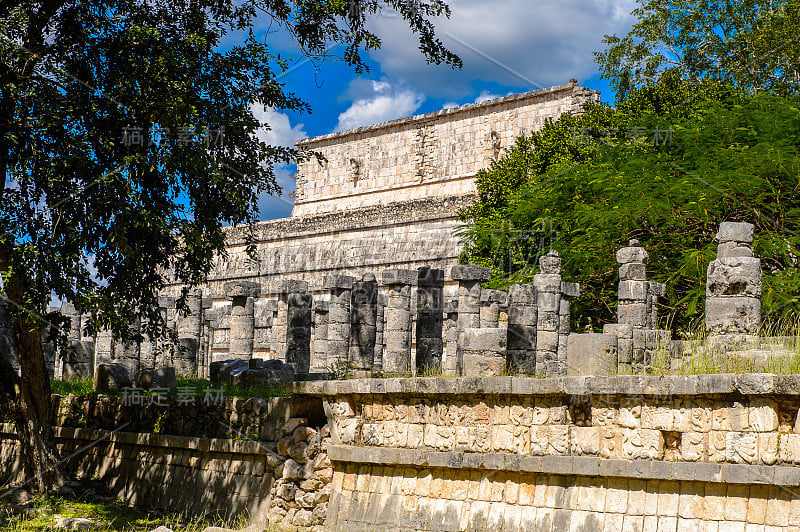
(574,453)
(282,476)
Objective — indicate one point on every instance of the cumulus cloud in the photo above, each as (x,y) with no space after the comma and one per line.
(485,96)
(278,129)
(523,44)
(381,102)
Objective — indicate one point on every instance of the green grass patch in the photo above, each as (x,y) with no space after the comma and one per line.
(105,513)
(81,387)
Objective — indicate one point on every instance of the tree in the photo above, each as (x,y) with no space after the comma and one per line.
(126,142)
(753,45)
(667,179)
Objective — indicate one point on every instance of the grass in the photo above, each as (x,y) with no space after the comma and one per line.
(106,513)
(81,387)
(775,349)
(84,387)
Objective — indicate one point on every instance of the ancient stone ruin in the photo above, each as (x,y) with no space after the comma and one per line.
(733,285)
(400,322)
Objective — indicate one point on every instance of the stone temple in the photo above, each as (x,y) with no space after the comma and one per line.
(386,196)
(382,197)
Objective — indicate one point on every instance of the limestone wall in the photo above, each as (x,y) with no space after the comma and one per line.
(708,452)
(435,154)
(265,467)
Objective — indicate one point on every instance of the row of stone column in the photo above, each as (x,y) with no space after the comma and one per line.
(535,338)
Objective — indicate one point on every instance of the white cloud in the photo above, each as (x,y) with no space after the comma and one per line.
(385,102)
(450,105)
(278,130)
(485,96)
(521,44)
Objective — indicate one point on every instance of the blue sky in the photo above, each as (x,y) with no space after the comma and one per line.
(509,46)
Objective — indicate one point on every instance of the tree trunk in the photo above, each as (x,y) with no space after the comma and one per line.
(27,399)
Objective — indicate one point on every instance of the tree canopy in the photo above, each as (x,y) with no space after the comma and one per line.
(665,167)
(127,141)
(753,45)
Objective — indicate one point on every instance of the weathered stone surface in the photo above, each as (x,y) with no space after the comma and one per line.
(470,272)
(494,296)
(633,290)
(158,378)
(343,282)
(592,354)
(221,371)
(733,315)
(242,289)
(734,249)
(396,276)
(547,283)
(635,314)
(633,271)
(572,290)
(741,232)
(522,295)
(731,277)
(289,286)
(108,377)
(632,254)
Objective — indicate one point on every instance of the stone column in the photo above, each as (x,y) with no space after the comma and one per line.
(127,352)
(522,319)
(380,339)
(430,314)
(242,317)
(548,303)
(632,307)
(450,359)
(164,347)
(319,353)
(285,288)
(298,339)
(189,327)
(469,277)
(206,332)
(491,301)
(569,291)
(340,287)
(397,327)
(635,303)
(78,359)
(483,351)
(104,347)
(363,323)
(733,285)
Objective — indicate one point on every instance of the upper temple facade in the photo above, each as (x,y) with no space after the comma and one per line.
(434,155)
(387,195)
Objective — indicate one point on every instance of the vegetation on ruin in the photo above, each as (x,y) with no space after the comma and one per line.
(704,130)
(127,141)
(666,166)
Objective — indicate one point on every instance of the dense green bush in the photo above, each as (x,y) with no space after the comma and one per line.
(666,167)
